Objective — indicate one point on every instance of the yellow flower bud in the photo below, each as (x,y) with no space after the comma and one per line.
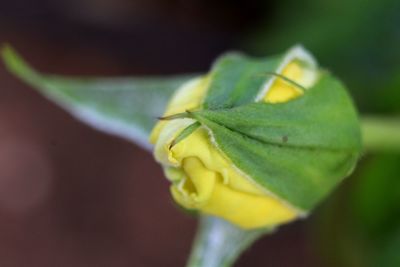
(202,177)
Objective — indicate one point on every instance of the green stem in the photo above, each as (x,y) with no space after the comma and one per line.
(219,243)
(381,133)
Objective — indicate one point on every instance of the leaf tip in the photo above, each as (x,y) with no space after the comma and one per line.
(7,53)
(16,64)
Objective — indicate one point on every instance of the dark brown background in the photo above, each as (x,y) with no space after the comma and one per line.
(71,196)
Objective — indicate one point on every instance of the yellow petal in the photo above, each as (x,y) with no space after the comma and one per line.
(247,210)
(198,145)
(188,97)
(213,185)
(298,66)
(283,91)
(197,185)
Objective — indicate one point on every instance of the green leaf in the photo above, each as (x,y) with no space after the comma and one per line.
(126,107)
(298,150)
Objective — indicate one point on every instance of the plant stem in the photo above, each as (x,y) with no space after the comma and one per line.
(219,243)
(381,133)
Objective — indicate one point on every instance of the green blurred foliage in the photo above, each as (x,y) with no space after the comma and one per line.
(360,225)
(359,41)
(376,197)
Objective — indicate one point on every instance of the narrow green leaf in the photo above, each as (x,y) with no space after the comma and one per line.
(127,107)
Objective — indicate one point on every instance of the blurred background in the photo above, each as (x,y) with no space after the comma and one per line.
(71,196)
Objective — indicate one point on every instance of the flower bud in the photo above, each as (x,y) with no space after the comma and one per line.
(258,142)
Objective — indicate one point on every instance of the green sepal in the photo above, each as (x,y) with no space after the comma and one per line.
(298,150)
(237,79)
(324,117)
(185,133)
